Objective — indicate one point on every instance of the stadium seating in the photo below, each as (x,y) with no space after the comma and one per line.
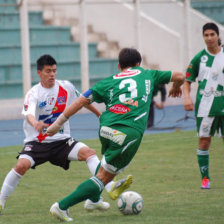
(211,8)
(44,39)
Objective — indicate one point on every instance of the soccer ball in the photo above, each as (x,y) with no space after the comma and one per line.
(130,202)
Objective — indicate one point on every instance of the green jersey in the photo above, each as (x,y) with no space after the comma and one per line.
(127,96)
(209,70)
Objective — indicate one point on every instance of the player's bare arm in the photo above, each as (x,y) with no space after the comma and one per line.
(188,103)
(69,111)
(178,80)
(38,125)
(93,109)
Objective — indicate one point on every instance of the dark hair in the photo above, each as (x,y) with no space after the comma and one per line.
(210,26)
(45,60)
(129,57)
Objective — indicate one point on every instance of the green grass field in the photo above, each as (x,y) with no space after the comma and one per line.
(165,173)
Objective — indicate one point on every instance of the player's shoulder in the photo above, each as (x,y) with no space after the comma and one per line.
(200,54)
(65,83)
(34,90)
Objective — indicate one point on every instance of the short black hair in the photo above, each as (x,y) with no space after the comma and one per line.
(129,57)
(45,59)
(210,26)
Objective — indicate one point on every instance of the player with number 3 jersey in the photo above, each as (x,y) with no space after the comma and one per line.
(127,97)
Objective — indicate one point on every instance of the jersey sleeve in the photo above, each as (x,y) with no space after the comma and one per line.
(162,77)
(192,69)
(30,103)
(98,91)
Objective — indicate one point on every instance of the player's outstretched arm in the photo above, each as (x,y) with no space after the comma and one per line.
(178,80)
(188,103)
(93,109)
(69,111)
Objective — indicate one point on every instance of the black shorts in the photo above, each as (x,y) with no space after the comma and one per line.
(55,152)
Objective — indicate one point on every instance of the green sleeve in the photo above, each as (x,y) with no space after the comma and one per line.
(193,68)
(162,77)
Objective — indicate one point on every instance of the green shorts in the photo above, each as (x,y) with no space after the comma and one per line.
(119,145)
(208,126)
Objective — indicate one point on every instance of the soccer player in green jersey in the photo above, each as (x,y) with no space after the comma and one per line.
(208,68)
(127,96)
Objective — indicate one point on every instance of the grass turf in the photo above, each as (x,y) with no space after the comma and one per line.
(165,173)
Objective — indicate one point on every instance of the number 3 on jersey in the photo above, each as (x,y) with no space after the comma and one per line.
(132,89)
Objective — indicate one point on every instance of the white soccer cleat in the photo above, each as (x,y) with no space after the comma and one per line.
(100,205)
(60,214)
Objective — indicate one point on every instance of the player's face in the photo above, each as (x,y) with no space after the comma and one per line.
(211,38)
(48,75)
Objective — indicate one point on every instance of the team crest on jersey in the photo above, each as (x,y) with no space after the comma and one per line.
(119,109)
(127,73)
(204,58)
(51,100)
(61,100)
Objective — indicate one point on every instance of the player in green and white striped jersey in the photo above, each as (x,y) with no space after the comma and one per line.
(208,68)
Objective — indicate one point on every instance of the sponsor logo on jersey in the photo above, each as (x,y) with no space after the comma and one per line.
(54,108)
(119,109)
(204,58)
(28,148)
(211,92)
(132,102)
(127,73)
(26,107)
(61,100)
(42,104)
(113,135)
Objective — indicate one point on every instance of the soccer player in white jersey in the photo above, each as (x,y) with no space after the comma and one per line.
(208,68)
(43,103)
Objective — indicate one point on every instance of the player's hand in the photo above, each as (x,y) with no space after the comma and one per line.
(175,92)
(56,126)
(188,104)
(40,126)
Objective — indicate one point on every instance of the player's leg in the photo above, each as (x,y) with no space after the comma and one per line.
(206,127)
(82,152)
(90,189)
(119,149)
(12,179)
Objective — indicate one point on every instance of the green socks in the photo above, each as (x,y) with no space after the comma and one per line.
(89,189)
(203,162)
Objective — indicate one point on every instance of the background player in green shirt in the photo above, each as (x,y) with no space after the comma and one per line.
(208,68)
(127,96)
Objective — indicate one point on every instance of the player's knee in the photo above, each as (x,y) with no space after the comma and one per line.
(85,153)
(22,166)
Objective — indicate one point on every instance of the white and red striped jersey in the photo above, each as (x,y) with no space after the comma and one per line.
(46,104)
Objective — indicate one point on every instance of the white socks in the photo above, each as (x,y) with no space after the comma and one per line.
(9,184)
(92,163)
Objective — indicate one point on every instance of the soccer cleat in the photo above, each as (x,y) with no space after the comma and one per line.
(2,204)
(205,184)
(120,186)
(100,205)
(60,214)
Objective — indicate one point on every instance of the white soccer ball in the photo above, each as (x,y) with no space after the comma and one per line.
(130,202)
